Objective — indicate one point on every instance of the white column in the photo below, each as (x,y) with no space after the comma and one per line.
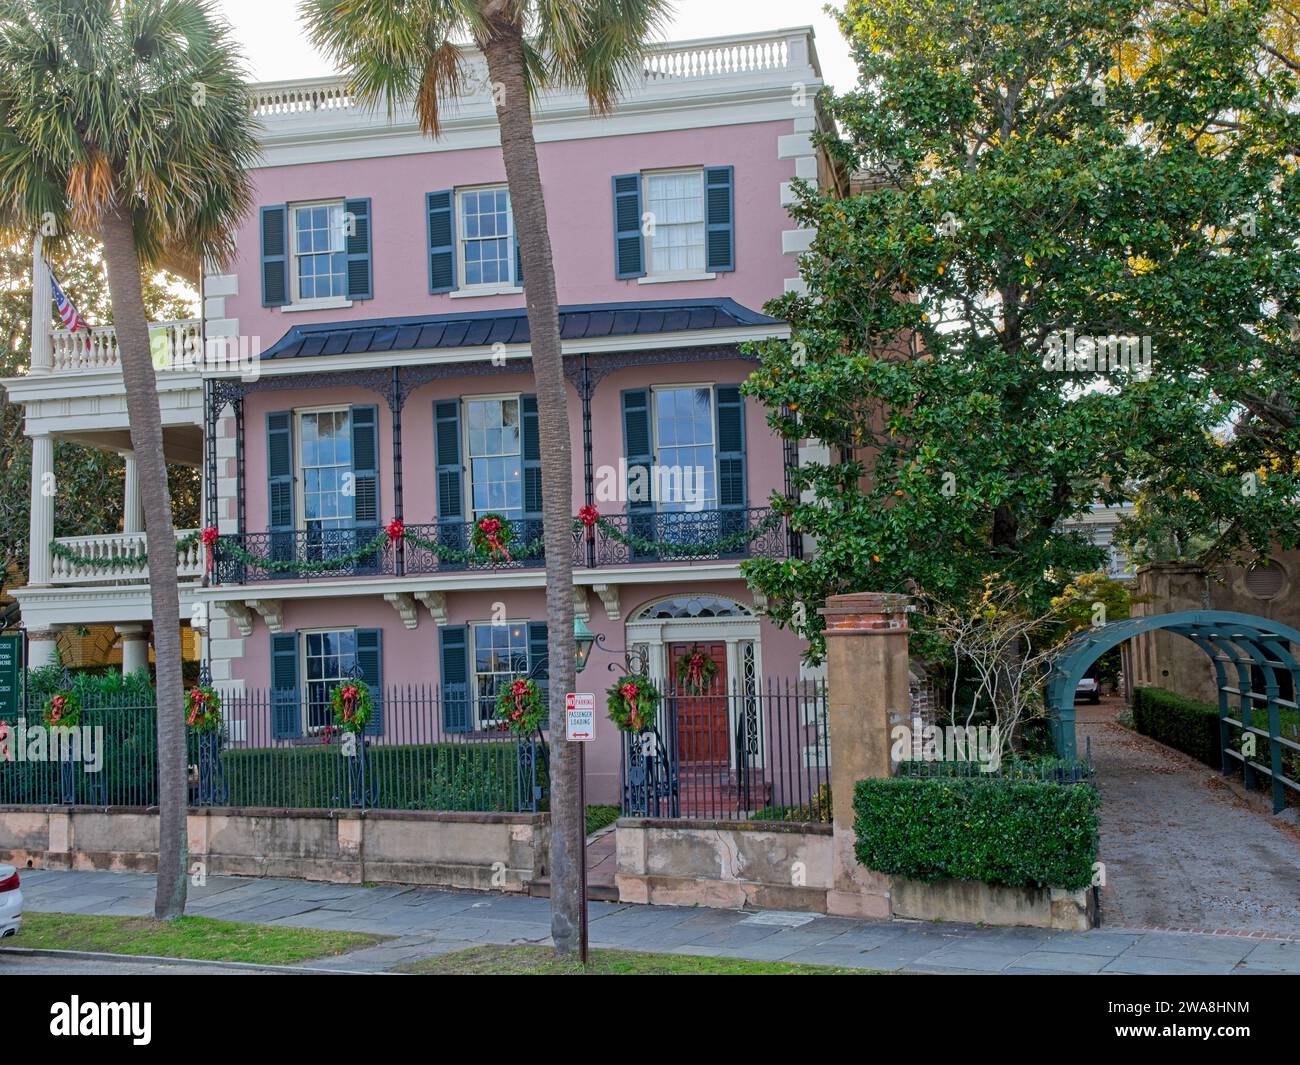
(42,648)
(41,523)
(42,353)
(135,647)
(132,508)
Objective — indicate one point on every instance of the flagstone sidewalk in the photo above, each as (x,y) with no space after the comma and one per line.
(426,922)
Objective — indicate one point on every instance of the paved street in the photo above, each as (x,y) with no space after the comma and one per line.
(425,922)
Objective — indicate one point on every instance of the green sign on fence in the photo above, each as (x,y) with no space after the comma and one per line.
(11,673)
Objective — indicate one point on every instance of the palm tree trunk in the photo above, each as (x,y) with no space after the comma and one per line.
(504,52)
(132,327)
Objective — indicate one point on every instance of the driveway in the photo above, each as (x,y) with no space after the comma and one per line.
(1181,849)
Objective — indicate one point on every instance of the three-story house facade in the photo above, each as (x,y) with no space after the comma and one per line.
(365,419)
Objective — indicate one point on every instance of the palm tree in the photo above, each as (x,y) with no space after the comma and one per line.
(129,121)
(410,50)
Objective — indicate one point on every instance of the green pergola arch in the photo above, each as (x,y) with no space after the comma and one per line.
(1234,643)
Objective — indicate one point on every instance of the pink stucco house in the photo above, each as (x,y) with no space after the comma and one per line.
(378,300)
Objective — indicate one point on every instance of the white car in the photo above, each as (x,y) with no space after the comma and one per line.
(1088,689)
(11,902)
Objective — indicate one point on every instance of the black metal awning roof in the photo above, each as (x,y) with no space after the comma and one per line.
(484,328)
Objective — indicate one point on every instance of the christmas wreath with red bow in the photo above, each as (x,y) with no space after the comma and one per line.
(352,705)
(521,707)
(696,670)
(63,710)
(632,703)
(203,708)
(491,537)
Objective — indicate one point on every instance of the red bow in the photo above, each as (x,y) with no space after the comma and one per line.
(491,528)
(588,515)
(630,691)
(396,530)
(209,538)
(519,690)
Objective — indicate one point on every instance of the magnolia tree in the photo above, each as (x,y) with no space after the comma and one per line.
(1068,274)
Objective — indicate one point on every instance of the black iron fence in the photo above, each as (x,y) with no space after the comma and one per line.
(620,539)
(411,761)
(746,751)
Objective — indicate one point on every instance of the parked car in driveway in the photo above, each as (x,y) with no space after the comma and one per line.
(1088,689)
(11,902)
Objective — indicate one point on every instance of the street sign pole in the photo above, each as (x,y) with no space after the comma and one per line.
(580,728)
(582,852)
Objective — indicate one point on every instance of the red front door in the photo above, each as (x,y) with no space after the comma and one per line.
(702,732)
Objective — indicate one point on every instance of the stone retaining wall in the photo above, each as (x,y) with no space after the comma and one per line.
(777,865)
(495,851)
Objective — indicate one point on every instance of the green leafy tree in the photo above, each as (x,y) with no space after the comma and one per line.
(416,52)
(1021,183)
(129,121)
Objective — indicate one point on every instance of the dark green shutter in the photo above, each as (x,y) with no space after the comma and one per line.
(365,467)
(365,483)
(719,218)
(731,451)
(638,448)
(275,255)
(537,650)
(441,210)
(629,249)
(450,474)
(532,455)
(370,659)
(361,285)
(286,718)
(456,716)
(519,260)
(279,484)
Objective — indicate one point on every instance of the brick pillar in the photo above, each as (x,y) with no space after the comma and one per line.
(867,694)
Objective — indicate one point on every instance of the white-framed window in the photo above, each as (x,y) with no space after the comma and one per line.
(328,657)
(325,469)
(319,256)
(485,238)
(500,655)
(684,445)
(674,199)
(494,444)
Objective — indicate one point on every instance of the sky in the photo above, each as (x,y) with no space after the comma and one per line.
(276,48)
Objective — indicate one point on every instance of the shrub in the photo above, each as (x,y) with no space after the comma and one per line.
(1184,724)
(1010,832)
(816,812)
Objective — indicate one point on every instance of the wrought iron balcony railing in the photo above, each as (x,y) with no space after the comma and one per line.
(450,547)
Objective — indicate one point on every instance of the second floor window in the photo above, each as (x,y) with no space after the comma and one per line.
(487,237)
(320,257)
(325,469)
(684,442)
(495,456)
(675,200)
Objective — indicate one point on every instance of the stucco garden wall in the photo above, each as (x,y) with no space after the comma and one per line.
(502,852)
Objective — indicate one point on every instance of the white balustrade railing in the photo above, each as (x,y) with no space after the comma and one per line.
(120,557)
(720,57)
(96,351)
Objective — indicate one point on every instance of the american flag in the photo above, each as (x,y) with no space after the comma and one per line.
(72,320)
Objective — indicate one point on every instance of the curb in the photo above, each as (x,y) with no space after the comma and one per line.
(92,955)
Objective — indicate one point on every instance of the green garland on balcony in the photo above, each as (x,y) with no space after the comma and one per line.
(588,518)
(58,550)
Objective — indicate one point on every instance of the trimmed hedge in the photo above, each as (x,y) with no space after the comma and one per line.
(1184,724)
(1010,832)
